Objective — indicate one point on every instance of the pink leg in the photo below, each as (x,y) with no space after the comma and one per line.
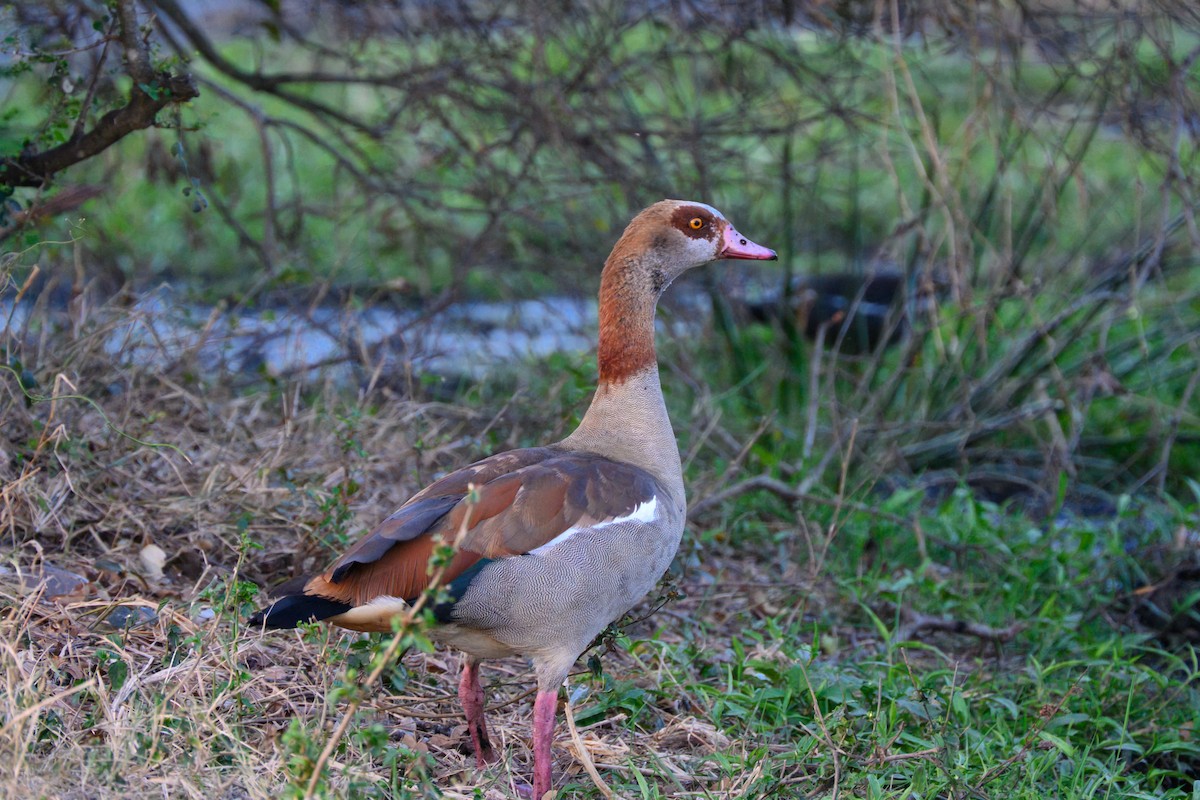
(470,694)
(544,709)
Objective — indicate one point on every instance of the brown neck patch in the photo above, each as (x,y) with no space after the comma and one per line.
(627,301)
(634,276)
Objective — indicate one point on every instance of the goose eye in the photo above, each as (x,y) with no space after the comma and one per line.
(696,223)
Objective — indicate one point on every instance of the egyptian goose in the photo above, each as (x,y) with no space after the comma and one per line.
(551,543)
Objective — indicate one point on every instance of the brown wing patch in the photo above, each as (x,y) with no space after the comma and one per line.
(573,490)
(401,572)
(500,507)
(409,523)
(428,506)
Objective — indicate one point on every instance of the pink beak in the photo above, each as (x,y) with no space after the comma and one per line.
(734,245)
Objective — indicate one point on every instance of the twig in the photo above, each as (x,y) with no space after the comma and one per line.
(137,55)
(957,439)
(814,391)
(253,80)
(915,622)
(878,760)
(765,482)
(97,71)
(454,714)
(835,752)
(406,626)
(786,492)
(584,756)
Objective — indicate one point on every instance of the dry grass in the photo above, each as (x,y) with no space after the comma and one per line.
(205,707)
(786,669)
(167,495)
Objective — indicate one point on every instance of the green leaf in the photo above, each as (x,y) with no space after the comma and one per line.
(1059,742)
(118,672)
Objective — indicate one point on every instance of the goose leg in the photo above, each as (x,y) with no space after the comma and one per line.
(470,694)
(544,709)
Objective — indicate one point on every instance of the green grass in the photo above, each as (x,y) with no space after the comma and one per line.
(1071,706)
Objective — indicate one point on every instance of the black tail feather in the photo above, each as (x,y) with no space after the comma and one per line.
(290,610)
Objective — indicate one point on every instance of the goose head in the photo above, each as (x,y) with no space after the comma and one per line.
(662,242)
(673,236)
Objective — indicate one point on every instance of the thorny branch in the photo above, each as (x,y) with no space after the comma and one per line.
(151,93)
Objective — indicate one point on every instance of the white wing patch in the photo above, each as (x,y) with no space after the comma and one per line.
(645,512)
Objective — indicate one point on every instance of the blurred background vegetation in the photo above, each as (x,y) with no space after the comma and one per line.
(1027,168)
(987,293)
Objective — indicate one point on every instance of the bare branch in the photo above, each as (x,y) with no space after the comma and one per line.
(254,80)
(137,55)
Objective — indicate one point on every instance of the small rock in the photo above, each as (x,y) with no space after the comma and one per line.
(123,617)
(153,560)
(53,583)
(108,565)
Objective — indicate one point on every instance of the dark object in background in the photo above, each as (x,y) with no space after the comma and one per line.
(857,312)
(861,310)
